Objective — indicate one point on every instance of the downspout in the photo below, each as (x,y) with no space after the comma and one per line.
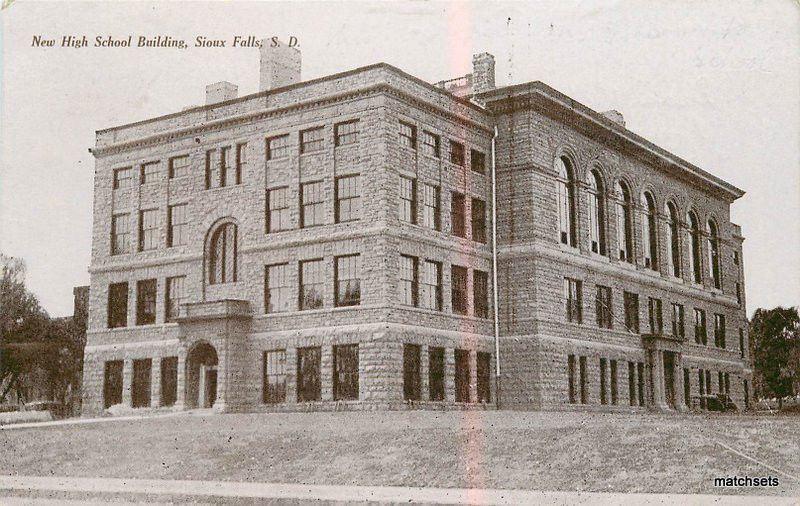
(495,296)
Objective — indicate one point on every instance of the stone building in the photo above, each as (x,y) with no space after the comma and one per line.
(328,244)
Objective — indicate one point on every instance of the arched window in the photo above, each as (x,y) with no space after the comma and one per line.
(622,206)
(649,237)
(222,255)
(694,247)
(566,201)
(673,239)
(713,254)
(597,215)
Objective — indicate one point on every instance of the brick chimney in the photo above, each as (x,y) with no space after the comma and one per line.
(482,72)
(615,116)
(220,92)
(280,65)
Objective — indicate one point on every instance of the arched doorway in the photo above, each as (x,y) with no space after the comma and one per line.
(201,376)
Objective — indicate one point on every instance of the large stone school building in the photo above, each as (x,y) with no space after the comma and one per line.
(368,240)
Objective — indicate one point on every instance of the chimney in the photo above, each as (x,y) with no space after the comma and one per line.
(482,72)
(615,116)
(280,65)
(220,92)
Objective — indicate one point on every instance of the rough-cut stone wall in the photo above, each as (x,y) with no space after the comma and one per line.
(378,237)
(533,265)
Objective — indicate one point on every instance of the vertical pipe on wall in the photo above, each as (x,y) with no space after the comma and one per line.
(494,275)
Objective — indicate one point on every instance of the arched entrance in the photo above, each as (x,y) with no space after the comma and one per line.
(201,376)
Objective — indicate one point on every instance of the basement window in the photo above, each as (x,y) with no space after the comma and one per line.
(140,389)
(412,383)
(169,381)
(112,383)
(436,373)
(309,363)
(484,376)
(345,372)
(274,391)
(462,375)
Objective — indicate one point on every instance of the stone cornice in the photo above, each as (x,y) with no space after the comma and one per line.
(232,121)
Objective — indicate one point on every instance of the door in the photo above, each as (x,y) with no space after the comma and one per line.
(210,394)
(669,378)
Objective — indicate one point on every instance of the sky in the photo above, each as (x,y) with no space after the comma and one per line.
(716,83)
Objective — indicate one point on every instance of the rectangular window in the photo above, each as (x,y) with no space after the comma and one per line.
(430,144)
(309,363)
(571,378)
(412,383)
(457,153)
(117,305)
(603,385)
(345,372)
(140,387)
(312,204)
(478,220)
(112,383)
(480,293)
(430,286)
(148,229)
(640,378)
(701,387)
(148,173)
(719,330)
(123,178)
(408,280)
(177,231)
(347,280)
(179,166)
(174,297)
(311,140)
(700,335)
(278,147)
(687,388)
(603,308)
(274,388)
(169,381)
(631,303)
(229,166)
(735,258)
(738,294)
(213,169)
(436,373)
(656,316)
(345,133)
(458,214)
(613,382)
(632,383)
(721,382)
(431,207)
(276,288)
(462,375)
(573,298)
(584,381)
(408,200)
(484,376)
(477,161)
(278,210)
(741,343)
(146,302)
(120,233)
(678,323)
(312,280)
(459,289)
(348,198)
(408,135)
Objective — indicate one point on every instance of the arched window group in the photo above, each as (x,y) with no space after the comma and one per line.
(623,201)
(566,201)
(222,253)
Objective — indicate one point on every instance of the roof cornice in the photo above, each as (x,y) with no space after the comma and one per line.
(527,95)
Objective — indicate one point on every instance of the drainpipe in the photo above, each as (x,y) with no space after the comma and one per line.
(494,276)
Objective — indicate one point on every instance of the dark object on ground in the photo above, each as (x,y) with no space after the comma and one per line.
(719,402)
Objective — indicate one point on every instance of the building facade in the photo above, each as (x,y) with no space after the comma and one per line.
(328,244)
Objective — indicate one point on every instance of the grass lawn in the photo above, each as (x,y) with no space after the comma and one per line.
(526,450)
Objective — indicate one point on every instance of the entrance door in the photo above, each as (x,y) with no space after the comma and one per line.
(669,378)
(210,394)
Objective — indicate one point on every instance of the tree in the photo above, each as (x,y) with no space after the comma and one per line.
(776,341)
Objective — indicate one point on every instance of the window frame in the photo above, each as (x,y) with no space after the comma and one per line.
(314,144)
(353,200)
(459,285)
(343,139)
(278,196)
(318,284)
(281,291)
(341,298)
(273,383)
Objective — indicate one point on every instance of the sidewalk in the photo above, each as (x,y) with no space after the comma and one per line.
(106,419)
(350,494)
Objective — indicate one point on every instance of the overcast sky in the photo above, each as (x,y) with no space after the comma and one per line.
(714,83)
